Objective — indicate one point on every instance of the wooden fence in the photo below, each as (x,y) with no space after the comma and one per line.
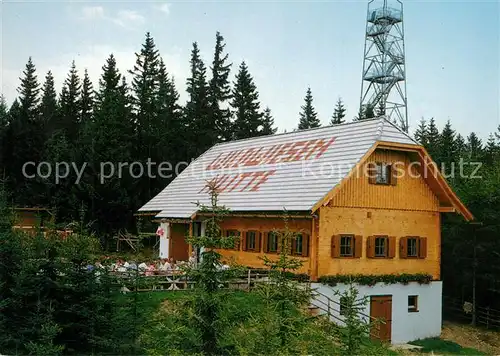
(463,311)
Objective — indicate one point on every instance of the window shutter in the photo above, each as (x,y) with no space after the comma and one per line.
(403,247)
(305,245)
(358,245)
(422,248)
(258,238)
(370,247)
(244,241)
(391,241)
(265,244)
(279,237)
(372,172)
(335,246)
(393,175)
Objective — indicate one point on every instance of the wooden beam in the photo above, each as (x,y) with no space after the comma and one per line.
(263,215)
(447,209)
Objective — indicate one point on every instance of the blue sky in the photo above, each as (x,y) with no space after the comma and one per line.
(452,50)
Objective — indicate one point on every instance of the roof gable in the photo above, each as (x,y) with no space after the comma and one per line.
(290,171)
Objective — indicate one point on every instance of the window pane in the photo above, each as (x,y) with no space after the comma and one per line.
(272,242)
(412,247)
(346,248)
(380,247)
(298,244)
(251,235)
(383,173)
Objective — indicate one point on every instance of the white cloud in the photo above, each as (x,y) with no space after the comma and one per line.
(123,18)
(164,8)
(92,12)
(127,17)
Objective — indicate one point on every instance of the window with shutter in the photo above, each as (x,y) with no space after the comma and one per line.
(412,247)
(272,242)
(346,245)
(381,246)
(237,235)
(382,173)
(251,241)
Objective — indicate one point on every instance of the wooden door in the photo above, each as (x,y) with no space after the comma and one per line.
(381,309)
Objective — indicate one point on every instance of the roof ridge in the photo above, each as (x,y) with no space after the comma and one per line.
(297,131)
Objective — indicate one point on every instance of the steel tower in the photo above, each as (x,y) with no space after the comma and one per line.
(383,85)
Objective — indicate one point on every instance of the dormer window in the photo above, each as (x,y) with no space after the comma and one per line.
(382,173)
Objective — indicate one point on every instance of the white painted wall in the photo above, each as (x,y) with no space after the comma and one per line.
(165,240)
(406,326)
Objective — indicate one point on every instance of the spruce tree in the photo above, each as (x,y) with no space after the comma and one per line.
(170,131)
(203,132)
(421,133)
(433,139)
(308,115)
(338,113)
(267,123)
(29,91)
(109,138)
(460,146)
(25,138)
(447,146)
(87,98)
(369,112)
(246,105)
(49,108)
(4,122)
(381,108)
(474,146)
(220,90)
(491,150)
(70,105)
(144,94)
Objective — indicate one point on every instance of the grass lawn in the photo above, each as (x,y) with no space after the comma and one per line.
(444,347)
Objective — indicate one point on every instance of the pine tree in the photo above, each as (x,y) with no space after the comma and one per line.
(338,113)
(170,129)
(491,150)
(433,139)
(421,133)
(246,106)
(381,108)
(144,94)
(308,115)
(87,98)
(474,146)
(369,112)
(49,108)
(4,122)
(202,130)
(25,138)
(447,146)
(460,146)
(109,138)
(29,93)
(145,86)
(268,123)
(70,105)
(220,90)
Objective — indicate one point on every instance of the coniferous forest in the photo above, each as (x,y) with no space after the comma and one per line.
(142,120)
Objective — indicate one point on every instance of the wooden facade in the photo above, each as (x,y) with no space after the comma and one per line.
(360,227)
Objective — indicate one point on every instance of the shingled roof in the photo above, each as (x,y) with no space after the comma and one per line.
(291,171)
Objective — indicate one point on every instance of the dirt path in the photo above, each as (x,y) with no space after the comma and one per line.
(467,336)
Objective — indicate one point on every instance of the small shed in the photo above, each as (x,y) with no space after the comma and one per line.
(29,219)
